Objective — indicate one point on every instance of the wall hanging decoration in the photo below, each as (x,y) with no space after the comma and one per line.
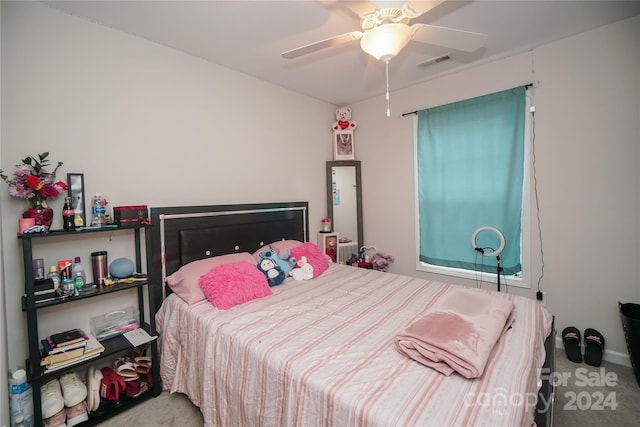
(343,127)
(32,181)
(343,147)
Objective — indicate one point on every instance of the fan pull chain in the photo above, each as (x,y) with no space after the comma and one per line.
(387,95)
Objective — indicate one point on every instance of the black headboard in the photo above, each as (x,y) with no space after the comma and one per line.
(179,235)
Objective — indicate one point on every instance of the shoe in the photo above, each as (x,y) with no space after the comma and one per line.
(593,347)
(111,384)
(51,398)
(571,340)
(142,364)
(77,414)
(73,389)
(94,377)
(135,388)
(58,420)
(125,369)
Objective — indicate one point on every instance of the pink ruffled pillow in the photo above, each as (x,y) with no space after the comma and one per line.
(315,257)
(230,284)
(186,281)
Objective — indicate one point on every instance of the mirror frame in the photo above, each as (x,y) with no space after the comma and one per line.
(330,166)
(72,177)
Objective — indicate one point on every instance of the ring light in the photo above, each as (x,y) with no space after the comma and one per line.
(486,228)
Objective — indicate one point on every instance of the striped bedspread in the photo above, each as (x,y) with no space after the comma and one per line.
(321,353)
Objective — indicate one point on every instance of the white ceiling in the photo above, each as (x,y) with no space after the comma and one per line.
(249,36)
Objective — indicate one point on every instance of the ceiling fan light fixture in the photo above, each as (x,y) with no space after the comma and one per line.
(386,41)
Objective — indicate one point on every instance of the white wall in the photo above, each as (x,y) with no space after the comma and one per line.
(150,125)
(146,125)
(588,157)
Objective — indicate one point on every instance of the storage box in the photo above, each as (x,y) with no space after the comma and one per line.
(127,215)
(115,323)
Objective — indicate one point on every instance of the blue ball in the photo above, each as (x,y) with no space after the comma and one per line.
(121,268)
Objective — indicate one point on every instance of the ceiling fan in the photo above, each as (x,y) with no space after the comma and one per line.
(385,32)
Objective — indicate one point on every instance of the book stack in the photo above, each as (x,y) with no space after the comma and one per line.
(68,348)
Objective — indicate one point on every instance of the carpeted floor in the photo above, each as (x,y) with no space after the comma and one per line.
(585,396)
(166,410)
(588,396)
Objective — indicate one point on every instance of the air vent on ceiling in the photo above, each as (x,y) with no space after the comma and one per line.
(435,60)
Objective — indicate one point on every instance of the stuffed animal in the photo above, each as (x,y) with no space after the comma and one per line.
(272,271)
(303,270)
(273,267)
(343,120)
(285,261)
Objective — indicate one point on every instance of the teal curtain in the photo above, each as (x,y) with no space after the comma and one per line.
(470,174)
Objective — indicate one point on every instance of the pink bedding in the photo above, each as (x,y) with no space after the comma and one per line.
(458,332)
(321,353)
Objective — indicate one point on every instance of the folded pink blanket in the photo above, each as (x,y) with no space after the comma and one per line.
(458,332)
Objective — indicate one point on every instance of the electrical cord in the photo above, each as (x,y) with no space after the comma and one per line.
(479,283)
(480,252)
(506,284)
(535,192)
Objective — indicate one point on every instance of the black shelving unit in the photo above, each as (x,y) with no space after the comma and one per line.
(36,374)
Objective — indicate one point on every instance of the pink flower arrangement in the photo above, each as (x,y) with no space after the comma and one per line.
(32,181)
(381,261)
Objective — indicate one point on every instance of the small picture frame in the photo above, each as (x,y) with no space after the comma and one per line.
(328,243)
(75,182)
(343,145)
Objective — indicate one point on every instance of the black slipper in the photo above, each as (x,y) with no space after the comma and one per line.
(593,347)
(571,340)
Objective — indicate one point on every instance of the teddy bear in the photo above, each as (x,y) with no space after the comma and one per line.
(343,120)
(303,270)
(275,267)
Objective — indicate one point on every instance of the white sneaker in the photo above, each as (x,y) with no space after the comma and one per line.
(94,377)
(77,414)
(51,398)
(73,389)
(58,420)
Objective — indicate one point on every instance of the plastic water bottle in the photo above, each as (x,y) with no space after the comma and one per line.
(78,274)
(53,275)
(20,401)
(98,210)
(78,268)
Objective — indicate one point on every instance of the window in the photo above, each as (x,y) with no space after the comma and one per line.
(471,158)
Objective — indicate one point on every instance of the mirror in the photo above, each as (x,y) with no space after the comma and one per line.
(75,182)
(344,200)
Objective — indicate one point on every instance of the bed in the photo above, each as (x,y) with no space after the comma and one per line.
(321,352)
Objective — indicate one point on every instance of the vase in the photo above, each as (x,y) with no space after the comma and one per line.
(40,212)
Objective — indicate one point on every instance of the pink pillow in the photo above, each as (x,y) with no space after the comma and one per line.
(281,246)
(185,281)
(314,255)
(228,285)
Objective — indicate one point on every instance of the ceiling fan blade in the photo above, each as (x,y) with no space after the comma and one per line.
(465,41)
(313,47)
(415,8)
(359,8)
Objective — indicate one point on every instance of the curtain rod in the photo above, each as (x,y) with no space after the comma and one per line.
(527,86)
